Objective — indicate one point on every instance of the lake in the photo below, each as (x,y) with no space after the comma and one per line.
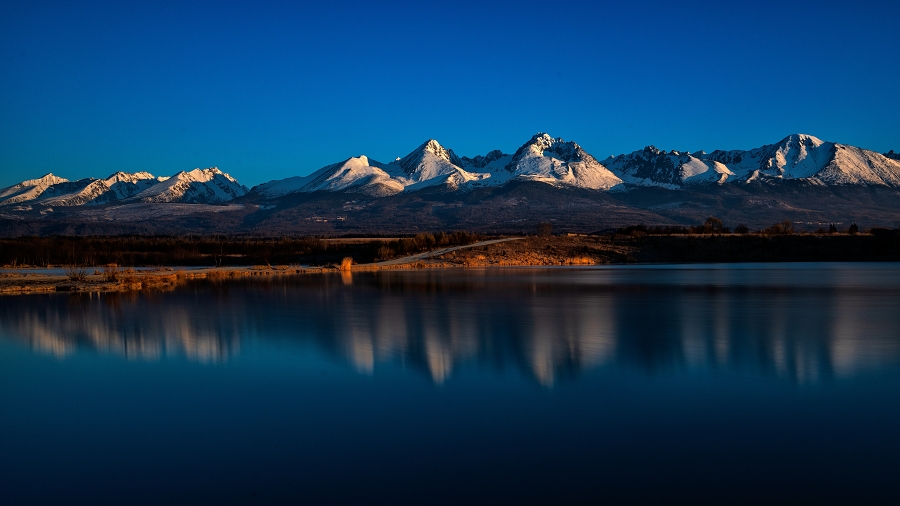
(641,384)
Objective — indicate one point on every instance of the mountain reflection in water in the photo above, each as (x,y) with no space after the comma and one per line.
(800,322)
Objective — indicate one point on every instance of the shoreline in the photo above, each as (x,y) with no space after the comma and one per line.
(23,282)
(533,251)
(14,283)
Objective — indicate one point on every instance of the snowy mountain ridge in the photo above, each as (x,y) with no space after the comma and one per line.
(563,163)
(542,159)
(801,156)
(653,167)
(431,165)
(197,186)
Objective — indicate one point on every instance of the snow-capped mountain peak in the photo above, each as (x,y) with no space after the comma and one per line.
(539,142)
(795,156)
(45,180)
(555,161)
(30,189)
(802,156)
(128,177)
(428,161)
(434,147)
(805,139)
(359,173)
(798,156)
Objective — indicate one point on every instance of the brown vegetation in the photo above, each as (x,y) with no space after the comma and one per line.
(111,272)
(783,228)
(23,281)
(76,272)
(537,251)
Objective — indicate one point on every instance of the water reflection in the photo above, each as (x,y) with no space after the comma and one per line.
(135,326)
(803,324)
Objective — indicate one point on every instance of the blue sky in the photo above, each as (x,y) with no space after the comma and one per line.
(277,89)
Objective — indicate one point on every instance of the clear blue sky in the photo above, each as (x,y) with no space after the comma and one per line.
(274,89)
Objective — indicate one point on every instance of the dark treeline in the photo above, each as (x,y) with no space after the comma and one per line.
(765,248)
(714,242)
(714,225)
(213,250)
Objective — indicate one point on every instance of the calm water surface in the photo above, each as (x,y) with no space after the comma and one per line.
(743,383)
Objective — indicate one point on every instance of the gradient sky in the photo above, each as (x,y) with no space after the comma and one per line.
(275,89)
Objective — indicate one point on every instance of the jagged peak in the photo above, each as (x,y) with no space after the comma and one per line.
(542,140)
(544,145)
(432,147)
(353,161)
(804,139)
(652,151)
(48,178)
(200,175)
(207,171)
(129,176)
(481,161)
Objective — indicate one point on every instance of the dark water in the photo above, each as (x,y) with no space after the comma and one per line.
(777,383)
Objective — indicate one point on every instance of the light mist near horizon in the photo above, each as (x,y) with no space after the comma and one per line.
(273,91)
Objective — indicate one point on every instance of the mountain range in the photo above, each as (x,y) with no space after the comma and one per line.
(554,173)
(206,186)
